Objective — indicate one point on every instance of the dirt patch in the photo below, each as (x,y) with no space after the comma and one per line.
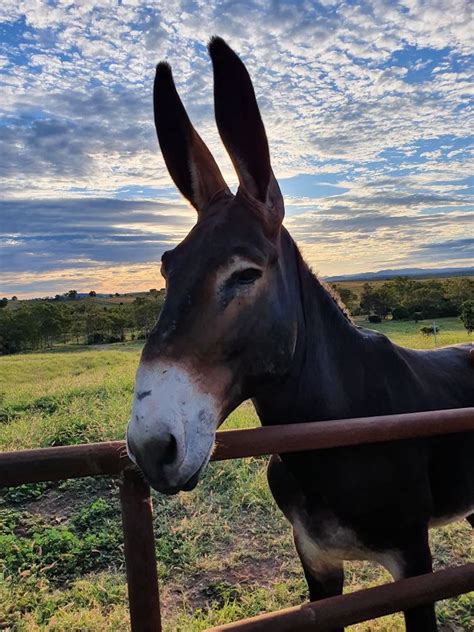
(252,558)
(57,505)
(53,506)
(212,587)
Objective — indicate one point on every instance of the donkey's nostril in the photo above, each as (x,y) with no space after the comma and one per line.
(170,450)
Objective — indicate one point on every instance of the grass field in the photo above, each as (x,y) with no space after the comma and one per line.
(407,332)
(224,551)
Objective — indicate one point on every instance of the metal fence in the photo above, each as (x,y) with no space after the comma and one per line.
(109,458)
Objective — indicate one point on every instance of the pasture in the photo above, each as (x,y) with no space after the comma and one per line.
(407,332)
(224,550)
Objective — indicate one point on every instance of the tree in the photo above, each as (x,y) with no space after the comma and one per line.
(14,298)
(145,312)
(383,300)
(402,288)
(119,319)
(377,300)
(3,302)
(72,295)
(97,324)
(92,294)
(400,313)
(48,320)
(78,325)
(347,296)
(459,290)
(467,315)
(429,298)
(19,329)
(367,298)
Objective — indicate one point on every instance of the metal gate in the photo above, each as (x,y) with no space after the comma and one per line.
(99,459)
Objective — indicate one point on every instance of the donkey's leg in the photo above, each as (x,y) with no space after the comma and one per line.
(416,560)
(324,579)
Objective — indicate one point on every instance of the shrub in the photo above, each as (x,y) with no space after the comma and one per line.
(96,338)
(400,313)
(375,318)
(467,315)
(115,338)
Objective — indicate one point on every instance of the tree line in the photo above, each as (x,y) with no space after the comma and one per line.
(405,298)
(40,324)
(64,319)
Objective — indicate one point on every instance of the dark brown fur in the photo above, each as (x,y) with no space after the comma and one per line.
(284,340)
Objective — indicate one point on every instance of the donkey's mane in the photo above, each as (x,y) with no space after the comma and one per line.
(334,295)
(312,284)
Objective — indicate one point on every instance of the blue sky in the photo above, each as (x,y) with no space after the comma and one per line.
(367,107)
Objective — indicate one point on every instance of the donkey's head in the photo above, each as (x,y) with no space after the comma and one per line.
(225,330)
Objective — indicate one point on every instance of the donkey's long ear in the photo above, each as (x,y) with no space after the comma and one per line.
(189,161)
(241,128)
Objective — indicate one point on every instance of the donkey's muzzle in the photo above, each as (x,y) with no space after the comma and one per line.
(172,426)
(159,461)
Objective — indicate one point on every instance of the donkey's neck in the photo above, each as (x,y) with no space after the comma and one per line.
(326,373)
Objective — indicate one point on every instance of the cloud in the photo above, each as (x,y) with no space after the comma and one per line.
(368,99)
(459,248)
(47,236)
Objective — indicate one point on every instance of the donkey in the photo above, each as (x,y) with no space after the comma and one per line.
(244,317)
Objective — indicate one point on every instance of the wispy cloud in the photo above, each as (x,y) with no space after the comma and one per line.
(366,107)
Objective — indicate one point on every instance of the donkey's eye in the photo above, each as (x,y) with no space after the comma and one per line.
(244,277)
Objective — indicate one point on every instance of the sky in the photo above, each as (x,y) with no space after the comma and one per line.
(367,106)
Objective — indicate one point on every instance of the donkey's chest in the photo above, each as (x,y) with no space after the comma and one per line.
(327,543)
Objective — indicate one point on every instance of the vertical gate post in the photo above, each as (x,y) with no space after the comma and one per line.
(139,549)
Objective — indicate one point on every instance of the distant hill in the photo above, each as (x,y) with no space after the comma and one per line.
(419,273)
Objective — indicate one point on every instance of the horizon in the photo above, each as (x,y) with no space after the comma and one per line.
(420,274)
(366,108)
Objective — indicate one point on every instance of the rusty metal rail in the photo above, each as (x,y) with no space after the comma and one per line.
(109,458)
(361,605)
(139,552)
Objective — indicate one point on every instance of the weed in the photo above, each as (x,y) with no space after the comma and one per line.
(23,493)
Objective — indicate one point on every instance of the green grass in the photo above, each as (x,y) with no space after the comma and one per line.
(408,334)
(58,399)
(224,550)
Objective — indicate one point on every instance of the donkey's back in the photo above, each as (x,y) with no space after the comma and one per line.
(436,379)
(411,380)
